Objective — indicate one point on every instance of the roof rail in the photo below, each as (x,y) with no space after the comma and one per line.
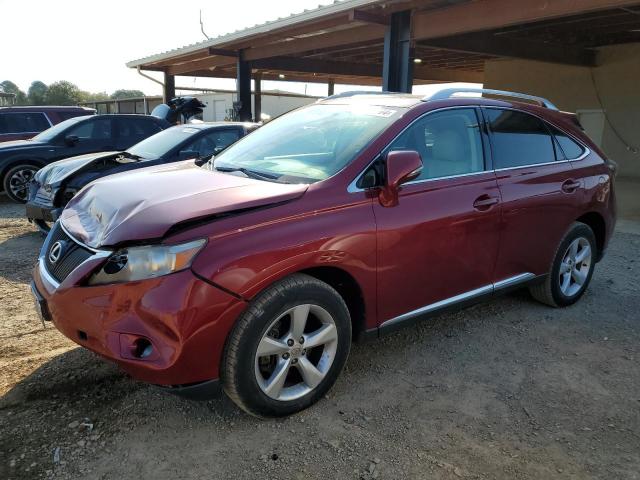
(450,92)
(353,93)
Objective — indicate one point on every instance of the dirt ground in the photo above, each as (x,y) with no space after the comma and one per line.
(508,390)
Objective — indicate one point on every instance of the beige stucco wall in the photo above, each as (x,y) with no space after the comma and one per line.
(571,88)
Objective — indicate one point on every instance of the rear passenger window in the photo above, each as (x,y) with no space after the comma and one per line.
(27,122)
(570,147)
(518,139)
(448,142)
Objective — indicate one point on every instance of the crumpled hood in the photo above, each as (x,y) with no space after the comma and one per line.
(146,203)
(56,172)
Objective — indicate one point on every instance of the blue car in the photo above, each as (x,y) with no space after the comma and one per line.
(55,184)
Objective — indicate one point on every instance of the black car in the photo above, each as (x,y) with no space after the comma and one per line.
(20,159)
(54,185)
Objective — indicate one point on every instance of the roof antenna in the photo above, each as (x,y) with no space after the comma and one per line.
(202,27)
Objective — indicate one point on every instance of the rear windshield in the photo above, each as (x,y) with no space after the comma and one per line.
(50,133)
(309,144)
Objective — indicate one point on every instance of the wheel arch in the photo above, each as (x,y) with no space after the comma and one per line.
(596,222)
(349,289)
(13,162)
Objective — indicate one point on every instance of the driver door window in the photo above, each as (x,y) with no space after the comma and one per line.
(99,129)
(449,143)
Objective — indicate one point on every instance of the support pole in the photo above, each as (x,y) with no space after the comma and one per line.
(243,87)
(257,97)
(330,87)
(397,67)
(169,89)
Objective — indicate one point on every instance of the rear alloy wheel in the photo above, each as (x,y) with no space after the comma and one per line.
(571,270)
(288,348)
(16,182)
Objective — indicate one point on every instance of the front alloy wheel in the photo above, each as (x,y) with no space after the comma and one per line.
(288,348)
(16,182)
(296,352)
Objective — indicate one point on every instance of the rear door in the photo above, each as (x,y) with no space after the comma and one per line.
(438,246)
(540,195)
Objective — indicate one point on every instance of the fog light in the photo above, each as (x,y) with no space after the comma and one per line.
(142,348)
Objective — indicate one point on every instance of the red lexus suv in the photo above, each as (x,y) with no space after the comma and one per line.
(341,220)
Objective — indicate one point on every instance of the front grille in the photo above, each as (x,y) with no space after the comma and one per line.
(71,254)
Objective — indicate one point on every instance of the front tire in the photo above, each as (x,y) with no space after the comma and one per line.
(43,226)
(288,348)
(16,181)
(571,270)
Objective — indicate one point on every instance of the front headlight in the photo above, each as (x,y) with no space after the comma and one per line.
(139,263)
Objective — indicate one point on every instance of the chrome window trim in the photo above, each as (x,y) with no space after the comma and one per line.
(353,188)
(487,289)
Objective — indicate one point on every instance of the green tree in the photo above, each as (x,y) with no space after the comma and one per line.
(122,93)
(8,86)
(37,93)
(63,93)
(94,97)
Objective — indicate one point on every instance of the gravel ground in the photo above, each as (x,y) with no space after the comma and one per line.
(509,389)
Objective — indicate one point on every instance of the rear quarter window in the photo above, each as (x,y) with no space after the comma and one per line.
(27,122)
(518,139)
(569,146)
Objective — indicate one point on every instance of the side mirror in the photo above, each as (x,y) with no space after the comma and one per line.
(188,154)
(401,167)
(71,140)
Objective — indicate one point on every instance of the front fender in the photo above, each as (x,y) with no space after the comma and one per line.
(246,261)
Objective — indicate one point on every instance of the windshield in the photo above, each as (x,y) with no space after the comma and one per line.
(52,132)
(309,144)
(161,143)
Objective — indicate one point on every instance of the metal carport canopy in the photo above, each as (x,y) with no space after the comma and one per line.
(400,43)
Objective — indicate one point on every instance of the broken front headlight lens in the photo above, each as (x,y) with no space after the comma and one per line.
(140,263)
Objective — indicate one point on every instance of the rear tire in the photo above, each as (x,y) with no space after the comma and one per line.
(16,181)
(571,270)
(288,347)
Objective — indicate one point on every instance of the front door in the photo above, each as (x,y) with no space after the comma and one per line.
(438,245)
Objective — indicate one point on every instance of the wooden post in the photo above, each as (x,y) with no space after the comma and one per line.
(169,90)
(243,87)
(257,97)
(397,67)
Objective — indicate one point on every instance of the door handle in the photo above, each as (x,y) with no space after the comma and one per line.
(485,202)
(570,186)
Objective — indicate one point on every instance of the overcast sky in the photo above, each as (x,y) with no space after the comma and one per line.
(88,42)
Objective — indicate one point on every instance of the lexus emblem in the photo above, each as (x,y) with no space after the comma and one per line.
(56,252)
